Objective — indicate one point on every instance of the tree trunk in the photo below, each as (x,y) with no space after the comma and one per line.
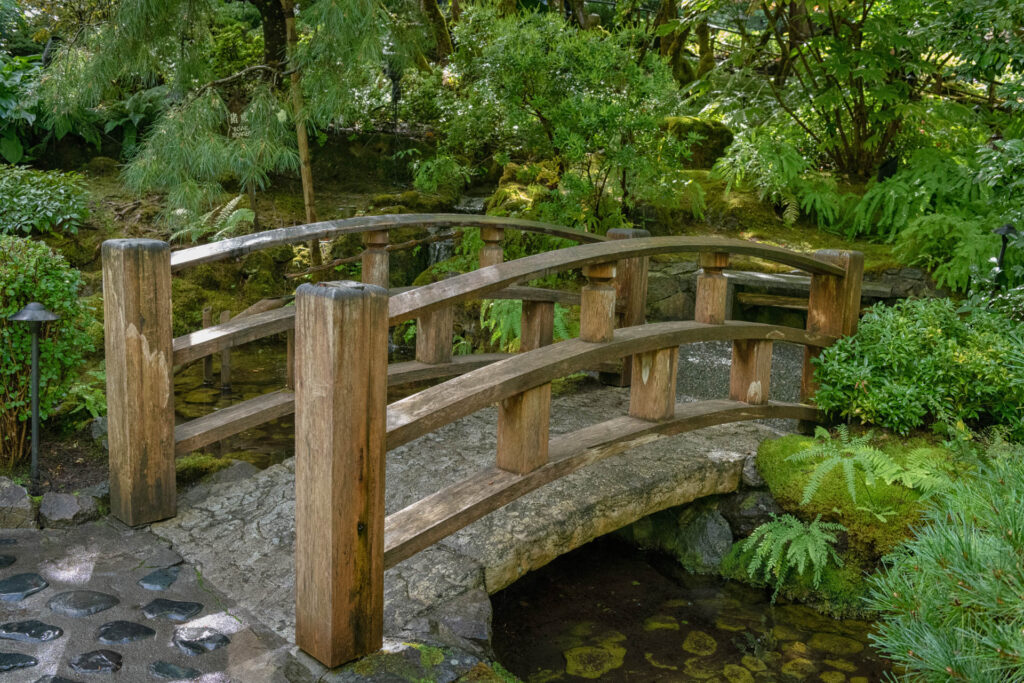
(707,52)
(275,32)
(438,27)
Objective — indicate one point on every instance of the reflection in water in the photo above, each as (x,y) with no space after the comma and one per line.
(613,613)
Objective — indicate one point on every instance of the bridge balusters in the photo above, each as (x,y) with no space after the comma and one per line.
(712,288)
(537,325)
(751,371)
(523,422)
(492,253)
(340,413)
(631,295)
(434,336)
(652,394)
(140,388)
(597,303)
(376,269)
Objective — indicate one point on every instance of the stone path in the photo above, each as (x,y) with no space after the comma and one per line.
(105,599)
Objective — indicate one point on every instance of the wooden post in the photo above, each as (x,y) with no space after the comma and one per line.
(289,372)
(536,325)
(711,288)
(597,303)
(341,356)
(225,358)
(208,361)
(631,298)
(833,307)
(140,386)
(751,371)
(434,336)
(376,270)
(652,394)
(492,253)
(523,430)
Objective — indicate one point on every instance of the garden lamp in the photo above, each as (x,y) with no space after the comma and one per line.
(1005,232)
(35,314)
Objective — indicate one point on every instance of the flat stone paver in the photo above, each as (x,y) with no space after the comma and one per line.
(87,623)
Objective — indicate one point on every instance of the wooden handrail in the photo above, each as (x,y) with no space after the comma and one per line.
(239,246)
(437,406)
(479,283)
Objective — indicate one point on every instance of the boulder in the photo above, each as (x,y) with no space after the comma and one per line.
(747,510)
(60,510)
(15,506)
(711,138)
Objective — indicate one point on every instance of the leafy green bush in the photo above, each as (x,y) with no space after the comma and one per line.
(919,361)
(41,201)
(30,271)
(950,598)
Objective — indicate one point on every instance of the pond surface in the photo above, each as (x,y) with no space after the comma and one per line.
(613,613)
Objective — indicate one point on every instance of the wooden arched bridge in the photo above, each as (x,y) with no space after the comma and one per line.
(344,426)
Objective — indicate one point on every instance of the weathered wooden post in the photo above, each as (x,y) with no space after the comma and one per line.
(631,297)
(751,371)
(341,357)
(597,303)
(523,422)
(492,253)
(434,335)
(833,308)
(536,325)
(712,288)
(652,393)
(225,358)
(208,361)
(140,386)
(289,359)
(376,268)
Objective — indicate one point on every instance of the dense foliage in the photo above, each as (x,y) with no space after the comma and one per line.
(920,361)
(30,271)
(41,201)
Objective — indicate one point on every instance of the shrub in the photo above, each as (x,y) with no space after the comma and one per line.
(30,271)
(919,361)
(40,201)
(950,598)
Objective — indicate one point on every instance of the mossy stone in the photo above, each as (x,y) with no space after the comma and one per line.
(191,468)
(798,668)
(753,663)
(842,665)
(589,661)
(835,644)
(697,669)
(203,396)
(832,677)
(859,679)
(700,643)
(737,674)
(660,622)
(713,137)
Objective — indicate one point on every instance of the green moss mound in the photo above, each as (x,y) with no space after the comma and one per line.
(711,138)
(192,468)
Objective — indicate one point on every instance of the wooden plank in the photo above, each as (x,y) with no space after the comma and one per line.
(536,325)
(751,371)
(652,395)
(239,246)
(517,293)
(220,424)
(206,342)
(431,408)
(479,283)
(774,300)
(415,371)
(140,386)
(796,284)
(523,422)
(340,400)
(441,514)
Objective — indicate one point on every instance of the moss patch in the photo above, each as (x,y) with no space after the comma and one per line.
(712,138)
(191,468)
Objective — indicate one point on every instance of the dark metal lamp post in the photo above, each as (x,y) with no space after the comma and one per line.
(1005,232)
(35,314)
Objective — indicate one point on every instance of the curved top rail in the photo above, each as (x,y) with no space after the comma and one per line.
(439,405)
(237,246)
(480,282)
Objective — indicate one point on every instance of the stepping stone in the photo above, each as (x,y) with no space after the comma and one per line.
(8,541)
(81,603)
(7,560)
(160,580)
(97,662)
(20,586)
(31,631)
(122,632)
(199,639)
(170,671)
(56,679)
(172,609)
(9,661)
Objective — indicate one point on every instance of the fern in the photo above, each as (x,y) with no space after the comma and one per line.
(847,453)
(222,221)
(502,317)
(786,545)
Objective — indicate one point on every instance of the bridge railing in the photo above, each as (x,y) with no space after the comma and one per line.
(141,351)
(344,426)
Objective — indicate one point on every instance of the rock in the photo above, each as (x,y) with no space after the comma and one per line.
(98,431)
(81,603)
(7,561)
(713,137)
(703,540)
(842,665)
(55,679)
(62,510)
(100,492)
(660,622)
(833,644)
(8,541)
(122,632)
(700,643)
(31,631)
(695,668)
(751,475)
(10,661)
(20,586)
(589,661)
(198,640)
(753,663)
(168,671)
(735,673)
(161,579)
(679,306)
(202,396)
(747,510)
(171,609)
(97,662)
(661,285)
(832,677)
(15,506)
(798,668)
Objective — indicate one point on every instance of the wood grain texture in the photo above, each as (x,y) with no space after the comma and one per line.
(208,361)
(225,357)
(523,422)
(238,331)
(493,252)
(536,325)
(375,259)
(220,424)
(479,283)
(833,308)
(340,402)
(415,371)
(712,300)
(630,300)
(793,303)
(751,371)
(434,336)
(597,303)
(441,514)
(437,406)
(140,387)
(652,394)
(239,246)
